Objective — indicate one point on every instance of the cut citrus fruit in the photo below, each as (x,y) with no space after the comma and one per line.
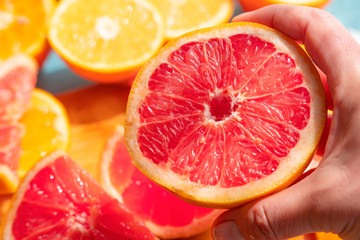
(59,200)
(224,115)
(106,41)
(250,5)
(187,15)
(165,214)
(327,236)
(17,79)
(10,137)
(23,27)
(46,129)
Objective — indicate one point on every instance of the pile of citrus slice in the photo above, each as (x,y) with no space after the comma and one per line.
(225,115)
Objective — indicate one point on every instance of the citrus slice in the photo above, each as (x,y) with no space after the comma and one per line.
(23,27)
(59,200)
(10,137)
(250,5)
(17,79)
(106,41)
(165,214)
(224,115)
(187,15)
(46,129)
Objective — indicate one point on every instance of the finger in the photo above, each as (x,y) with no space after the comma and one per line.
(282,215)
(327,41)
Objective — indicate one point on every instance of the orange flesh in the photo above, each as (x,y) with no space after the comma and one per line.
(22,26)
(225,111)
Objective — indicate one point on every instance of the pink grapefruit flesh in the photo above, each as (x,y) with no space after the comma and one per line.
(226,114)
(164,213)
(213,95)
(59,200)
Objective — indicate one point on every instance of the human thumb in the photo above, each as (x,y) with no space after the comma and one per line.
(282,215)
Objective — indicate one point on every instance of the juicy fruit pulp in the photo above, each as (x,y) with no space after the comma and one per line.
(17,80)
(188,15)
(226,114)
(46,129)
(164,213)
(239,88)
(106,41)
(22,27)
(59,200)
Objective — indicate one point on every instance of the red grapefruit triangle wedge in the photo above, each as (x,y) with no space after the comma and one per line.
(165,214)
(59,200)
(224,115)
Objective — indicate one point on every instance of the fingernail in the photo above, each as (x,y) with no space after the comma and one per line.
(227,231)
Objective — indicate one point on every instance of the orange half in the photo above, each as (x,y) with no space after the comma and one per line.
(106,41)
(187,15)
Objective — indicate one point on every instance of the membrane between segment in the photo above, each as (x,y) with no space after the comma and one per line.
(224,111)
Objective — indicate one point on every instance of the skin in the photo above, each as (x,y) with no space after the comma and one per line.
(328,200)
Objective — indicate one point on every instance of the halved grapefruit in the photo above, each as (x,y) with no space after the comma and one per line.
(165,214)
(224,115)
(59,200)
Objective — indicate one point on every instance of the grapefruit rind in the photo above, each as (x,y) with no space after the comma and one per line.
(106,158)
(83,67)
(290,167)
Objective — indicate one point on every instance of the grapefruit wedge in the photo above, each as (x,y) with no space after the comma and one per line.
(17,80)
(165,214)
(59,200)
(227,114)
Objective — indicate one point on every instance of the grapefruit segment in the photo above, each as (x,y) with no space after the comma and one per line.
(227,114)
(58,199)
(164,213)
(17,79)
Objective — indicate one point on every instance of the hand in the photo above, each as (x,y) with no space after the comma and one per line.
(328,200)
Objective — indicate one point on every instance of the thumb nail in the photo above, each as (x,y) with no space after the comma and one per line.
(227,230)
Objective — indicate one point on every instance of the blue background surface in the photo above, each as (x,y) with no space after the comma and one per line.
(56,78)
